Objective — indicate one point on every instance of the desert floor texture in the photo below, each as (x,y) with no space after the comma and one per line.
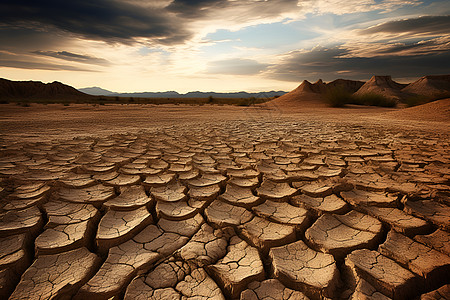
(220,202)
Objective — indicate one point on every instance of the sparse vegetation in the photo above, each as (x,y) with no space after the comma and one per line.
(102,100)
(339,97)
(373,99)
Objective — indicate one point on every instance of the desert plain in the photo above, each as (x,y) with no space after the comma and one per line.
(280,200)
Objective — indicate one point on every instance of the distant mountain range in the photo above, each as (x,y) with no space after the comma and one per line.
(427,87)
(97,91)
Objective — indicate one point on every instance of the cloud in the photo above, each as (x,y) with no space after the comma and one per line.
(379,49)
(339,7)
(30,65)
(27,61)
(73,34)
(194,8)
(331,63)
(236,66)
(433,25)
(166,22)
(112,21)
(65,55)
(25,39)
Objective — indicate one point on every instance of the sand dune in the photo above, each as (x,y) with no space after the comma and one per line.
(436,111)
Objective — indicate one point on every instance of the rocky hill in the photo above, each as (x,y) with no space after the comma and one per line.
(36,90)
(315,92)
(430,86)
(382,85)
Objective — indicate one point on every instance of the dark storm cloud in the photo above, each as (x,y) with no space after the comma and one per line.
(194,8)
(236,66)
(106,20)
(331,63)
(125,21)
(25,39)
(73,57)
(424,25)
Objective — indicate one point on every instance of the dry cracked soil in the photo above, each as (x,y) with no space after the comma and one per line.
(222,203)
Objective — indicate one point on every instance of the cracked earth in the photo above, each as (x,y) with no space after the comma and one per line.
(228,209)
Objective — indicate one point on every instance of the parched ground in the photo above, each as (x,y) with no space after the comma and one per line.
(221,202)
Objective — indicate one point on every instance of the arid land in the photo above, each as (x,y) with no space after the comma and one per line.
(282,199)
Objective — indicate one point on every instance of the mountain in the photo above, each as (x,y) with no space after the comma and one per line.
(382,85)
(430,86)
(32,90)
(96,91)
(172,94)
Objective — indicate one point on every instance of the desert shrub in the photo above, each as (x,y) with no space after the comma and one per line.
(246,101)
(210,99)
(25,104)
(373,99)
(4,101)
(66,104)
(338,97)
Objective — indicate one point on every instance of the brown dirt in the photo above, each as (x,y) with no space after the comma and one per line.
(183,174)
(55,121)
(437,111)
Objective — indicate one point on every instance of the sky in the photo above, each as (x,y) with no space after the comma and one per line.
(221,45)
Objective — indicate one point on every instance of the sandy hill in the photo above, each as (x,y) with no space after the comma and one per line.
(438,111)
(307,87)
(382,85)
(30,90)
(306,94)
(430,86)
(350,86)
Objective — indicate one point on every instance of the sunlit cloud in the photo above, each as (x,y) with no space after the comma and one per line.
(139,45)
(237,66)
